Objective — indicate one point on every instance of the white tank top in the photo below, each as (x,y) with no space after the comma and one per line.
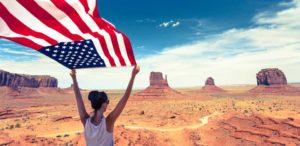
(97,135)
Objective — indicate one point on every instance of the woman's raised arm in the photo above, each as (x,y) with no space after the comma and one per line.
(112,117)
(80,105)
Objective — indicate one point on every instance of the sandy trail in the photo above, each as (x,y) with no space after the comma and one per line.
(203,121)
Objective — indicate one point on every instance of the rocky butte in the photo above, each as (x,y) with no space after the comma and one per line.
(211,87)
(32,81)
(272,80)
(158,88)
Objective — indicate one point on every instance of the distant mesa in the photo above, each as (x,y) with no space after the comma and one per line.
(210,82)
(272,80)
(32,81)
(211,87)
(271,76)
(159,88)
(20,85)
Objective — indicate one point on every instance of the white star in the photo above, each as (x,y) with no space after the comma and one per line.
(55,51)
(69,52)
(71,47)
(85,46)
(54,55)
(65,43)
(87,42)
(94,63)
(87,64)
(77,48)
(60,59)
(95,54)
(87,55)
(79,44)
(81,53)
(61,55)
(79,56)
(56,46)
(90,52)
(72,43)
(91,48)
(83,50)
(47,49)
(64,47)
(101,63)
(63,52)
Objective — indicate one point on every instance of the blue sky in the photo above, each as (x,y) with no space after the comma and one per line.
(198,19)
(188,40)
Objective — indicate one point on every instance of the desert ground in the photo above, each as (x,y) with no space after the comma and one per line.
(48,116)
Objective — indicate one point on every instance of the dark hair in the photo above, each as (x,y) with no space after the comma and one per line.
(97,99)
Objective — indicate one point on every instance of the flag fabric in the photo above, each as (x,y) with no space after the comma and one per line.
(69,31)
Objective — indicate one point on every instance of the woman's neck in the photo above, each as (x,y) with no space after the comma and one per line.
(97,117)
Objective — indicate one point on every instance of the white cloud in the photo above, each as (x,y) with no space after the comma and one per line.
(170,23)
(176,24)
(236,55)
(26,53)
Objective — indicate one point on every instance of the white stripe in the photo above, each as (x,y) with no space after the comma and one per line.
(92,6)
(123,48)
(94,27)
(7,32)
(30,21)
(65,20)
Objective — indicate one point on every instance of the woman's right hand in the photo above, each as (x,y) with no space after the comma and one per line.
(73,73)
(135,70)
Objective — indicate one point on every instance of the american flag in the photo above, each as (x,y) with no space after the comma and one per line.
(69,31)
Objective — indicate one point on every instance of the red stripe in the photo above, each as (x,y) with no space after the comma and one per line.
(43,16)
(75,17)
(85,5)
(115,43)
(25,42)
(96,11)
(128,46)
(113,38)
(18,27)
(129,49)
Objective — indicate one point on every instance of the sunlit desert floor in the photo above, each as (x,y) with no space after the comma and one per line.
(50,117)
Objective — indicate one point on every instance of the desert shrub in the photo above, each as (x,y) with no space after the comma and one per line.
(58,136)
(18,125)
(11,126)
(66,135)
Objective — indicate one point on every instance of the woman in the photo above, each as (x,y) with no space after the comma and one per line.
(98,130)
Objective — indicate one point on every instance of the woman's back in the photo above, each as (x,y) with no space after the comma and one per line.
(97,135)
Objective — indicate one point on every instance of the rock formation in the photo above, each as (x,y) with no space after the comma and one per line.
(159,88)
(272,76)
(21,80)
(210,81)
(211,87)
(272,80)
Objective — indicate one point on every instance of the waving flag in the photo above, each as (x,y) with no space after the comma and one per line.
(68,31)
